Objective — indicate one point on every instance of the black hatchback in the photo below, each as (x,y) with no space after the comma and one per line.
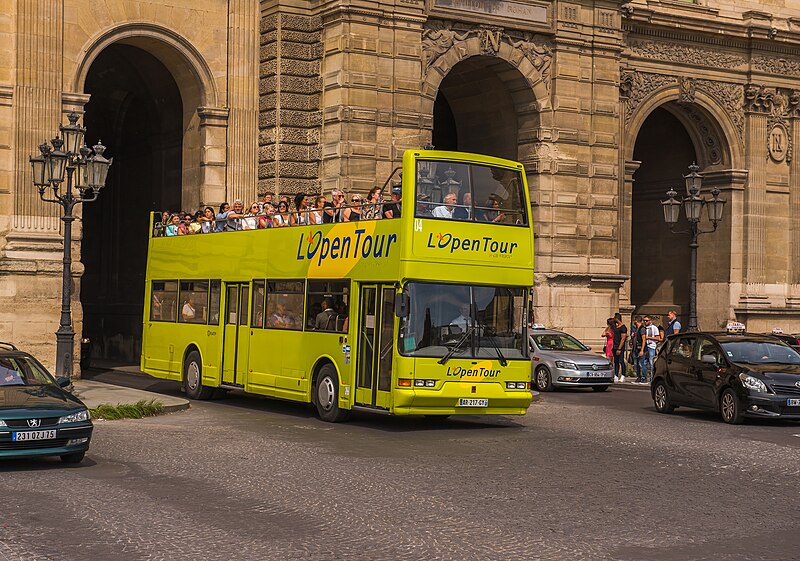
(37,416)
(739,375)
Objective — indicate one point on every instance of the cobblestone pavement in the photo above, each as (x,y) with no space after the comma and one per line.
(582,476)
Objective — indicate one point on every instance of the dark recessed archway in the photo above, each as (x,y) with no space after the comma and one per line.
(481,106)
(659,258)
(137,111)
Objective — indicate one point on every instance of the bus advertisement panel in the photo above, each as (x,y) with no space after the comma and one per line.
(420,314)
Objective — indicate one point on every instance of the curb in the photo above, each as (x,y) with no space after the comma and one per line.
(535,396)
(630,386)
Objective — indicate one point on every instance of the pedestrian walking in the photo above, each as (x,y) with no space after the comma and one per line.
(637,344)
(619,341)
(648,352)
(673,326)
(608,333)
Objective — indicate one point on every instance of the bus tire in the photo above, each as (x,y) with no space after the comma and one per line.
(326,395)
(193,377)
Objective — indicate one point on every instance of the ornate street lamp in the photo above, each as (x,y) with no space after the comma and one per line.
(85,173)
(693,205)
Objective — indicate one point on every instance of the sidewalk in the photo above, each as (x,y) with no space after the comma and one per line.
(628,384)
(112,384)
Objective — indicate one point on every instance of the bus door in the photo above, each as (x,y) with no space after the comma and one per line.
(236,343)
(375,346)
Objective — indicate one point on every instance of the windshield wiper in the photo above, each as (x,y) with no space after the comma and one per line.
(457,346)
(501,358)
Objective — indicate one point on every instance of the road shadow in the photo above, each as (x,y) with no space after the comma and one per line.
(253,402)
(42,463)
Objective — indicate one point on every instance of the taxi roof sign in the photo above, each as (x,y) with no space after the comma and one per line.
(735,327)
(777,331)
(538,326)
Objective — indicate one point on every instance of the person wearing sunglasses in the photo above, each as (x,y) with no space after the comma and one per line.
(281,218)
(353,213)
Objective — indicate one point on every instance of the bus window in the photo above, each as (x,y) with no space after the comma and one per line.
(164,300)
(213,303)
(498,195)
(500,315)
(259,293)
(327,305)
(285,304)
(194,302)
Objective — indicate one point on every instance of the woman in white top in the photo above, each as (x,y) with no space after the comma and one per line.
(315,216)
(281,218)
(250,219)
(300,215)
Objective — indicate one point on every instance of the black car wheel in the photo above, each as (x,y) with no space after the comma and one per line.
(193,377)
(730,408)
(75,458)
(541,379)
(326,396)
(661,398)
(599,388)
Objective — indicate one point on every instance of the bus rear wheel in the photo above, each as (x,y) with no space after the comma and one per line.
(326,396)
(193,377)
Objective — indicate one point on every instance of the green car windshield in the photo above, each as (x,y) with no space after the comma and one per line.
(22,371)
(559,342)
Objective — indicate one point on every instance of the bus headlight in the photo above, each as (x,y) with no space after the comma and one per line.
(516,385)
(422,383)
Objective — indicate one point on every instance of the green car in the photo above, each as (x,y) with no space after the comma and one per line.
(38,417)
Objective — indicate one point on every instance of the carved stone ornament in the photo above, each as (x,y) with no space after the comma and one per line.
(639,86)
(729,96)
(777,66)
(440,36)
(711,145)
(780,107)
(699,56)
(687,90)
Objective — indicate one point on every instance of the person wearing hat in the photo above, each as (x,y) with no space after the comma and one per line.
(423,208)
(392,209)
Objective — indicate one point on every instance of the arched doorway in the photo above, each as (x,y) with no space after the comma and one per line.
(481,106)
(137,110)
(659,258)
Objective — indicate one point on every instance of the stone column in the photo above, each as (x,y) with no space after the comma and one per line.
(754,242)
(626,232)
(242,157)
(213,124)
(793,299)
(37,109)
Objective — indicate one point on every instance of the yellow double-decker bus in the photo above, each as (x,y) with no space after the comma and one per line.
(421,314)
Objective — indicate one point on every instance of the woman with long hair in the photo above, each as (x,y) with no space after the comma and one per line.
(281,217)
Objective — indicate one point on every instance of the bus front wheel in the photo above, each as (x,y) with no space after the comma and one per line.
(326,395)
(193,377)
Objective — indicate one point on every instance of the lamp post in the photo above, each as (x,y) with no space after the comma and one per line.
(693,205)
(84,170)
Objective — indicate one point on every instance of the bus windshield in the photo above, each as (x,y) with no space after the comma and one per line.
(481,321)
(470,193)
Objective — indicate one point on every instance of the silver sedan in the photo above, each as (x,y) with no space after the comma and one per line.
(560,360)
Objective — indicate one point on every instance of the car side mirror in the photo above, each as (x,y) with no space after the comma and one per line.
(63,381)
(401,305)
(709,359)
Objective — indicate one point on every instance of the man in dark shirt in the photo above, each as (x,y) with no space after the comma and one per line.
(392,210)
(637,341)
(332,211)
(618,347)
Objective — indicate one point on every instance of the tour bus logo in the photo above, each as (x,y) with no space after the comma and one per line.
(478,371)
(359,244)
(460,246)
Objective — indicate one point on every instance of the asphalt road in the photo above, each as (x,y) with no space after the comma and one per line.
(582,476)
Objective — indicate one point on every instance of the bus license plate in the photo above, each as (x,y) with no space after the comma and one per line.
(33,435)
(471,402)
(793,402)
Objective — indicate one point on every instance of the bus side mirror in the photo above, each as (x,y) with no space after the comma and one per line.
(401,305)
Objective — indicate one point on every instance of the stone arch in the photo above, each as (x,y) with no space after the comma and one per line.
(708,123)
(187,65)
(521,69)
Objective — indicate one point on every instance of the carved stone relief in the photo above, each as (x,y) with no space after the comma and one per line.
(699,56)
(440,36)
(779,66)
(780,106)
(635,87)
(687,89)
(729,96)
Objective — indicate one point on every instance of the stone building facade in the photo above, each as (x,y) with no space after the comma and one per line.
(605,102)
